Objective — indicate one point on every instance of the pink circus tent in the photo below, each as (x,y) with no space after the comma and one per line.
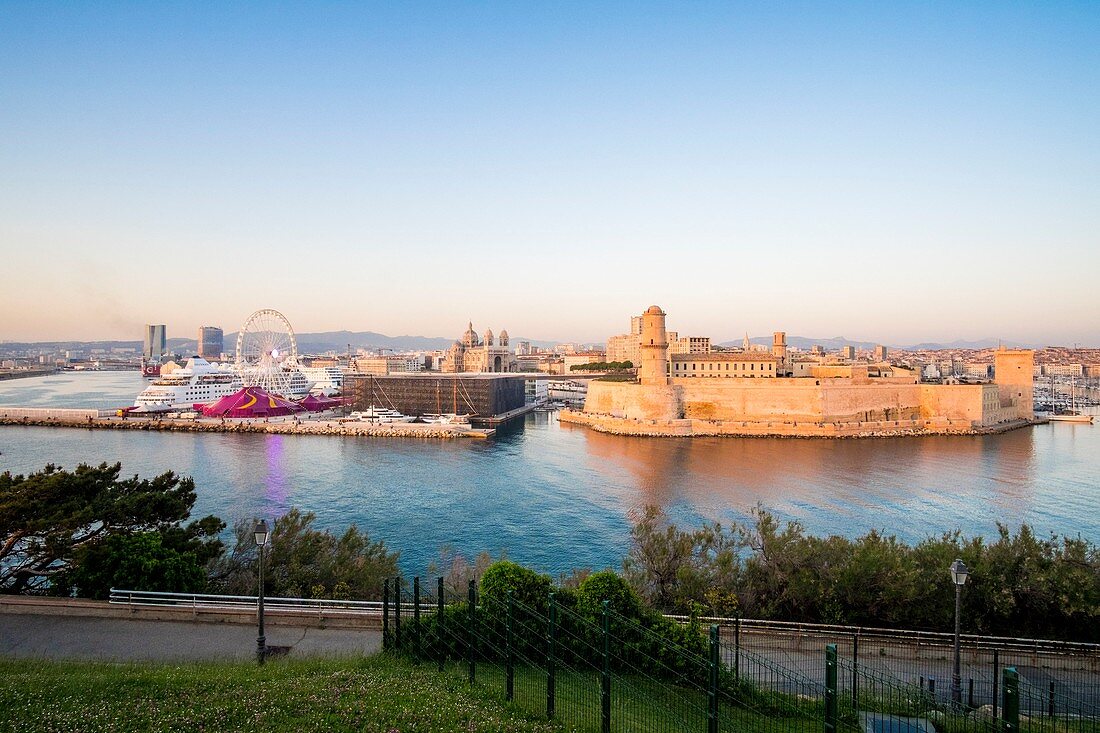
(251,402)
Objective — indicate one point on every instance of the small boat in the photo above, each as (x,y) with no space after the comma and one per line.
(1087,419)
(1073,415)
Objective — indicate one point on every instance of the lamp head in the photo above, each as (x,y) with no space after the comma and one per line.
(959,572)
(261,532)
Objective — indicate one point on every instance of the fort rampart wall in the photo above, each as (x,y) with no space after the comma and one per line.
(795,407)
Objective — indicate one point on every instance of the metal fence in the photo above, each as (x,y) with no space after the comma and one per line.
(602,671)
(924,660)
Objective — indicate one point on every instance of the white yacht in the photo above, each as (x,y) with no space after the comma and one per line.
(375,414)
(197,381)
(327,380)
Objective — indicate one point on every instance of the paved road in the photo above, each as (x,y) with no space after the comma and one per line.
(59,637)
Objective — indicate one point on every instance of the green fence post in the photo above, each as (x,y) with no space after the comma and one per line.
(510,663)
(605,672)
(385,614)
(1010,705)
(855,667)
(830,689)
(712,681)
(551,640)
(416,620)
(441,640)
(996,680)
(471,631)
(397,613)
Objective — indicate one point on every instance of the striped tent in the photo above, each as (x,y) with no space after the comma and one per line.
(251,402)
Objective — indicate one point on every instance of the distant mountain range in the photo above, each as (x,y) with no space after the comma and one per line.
(836,342)
(308,343)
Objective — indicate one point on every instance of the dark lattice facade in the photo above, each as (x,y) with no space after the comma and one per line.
(481,395)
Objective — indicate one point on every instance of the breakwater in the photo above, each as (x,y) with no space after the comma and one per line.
(25,373)
(95,419)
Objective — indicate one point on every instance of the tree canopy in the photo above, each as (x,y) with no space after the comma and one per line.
(1020,584)
(52,519)
(602,366)
(301,561)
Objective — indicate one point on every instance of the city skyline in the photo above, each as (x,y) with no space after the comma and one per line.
(890,174)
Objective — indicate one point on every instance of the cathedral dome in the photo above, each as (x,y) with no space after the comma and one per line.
(504,337)
(470,337)
(488,337)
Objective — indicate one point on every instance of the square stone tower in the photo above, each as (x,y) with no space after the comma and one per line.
(1013,371)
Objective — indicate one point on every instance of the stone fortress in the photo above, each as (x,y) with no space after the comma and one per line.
(756,392)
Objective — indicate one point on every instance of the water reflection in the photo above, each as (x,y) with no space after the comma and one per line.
(275,478)
(835,485)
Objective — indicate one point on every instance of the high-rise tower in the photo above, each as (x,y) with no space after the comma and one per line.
(211,342)
(156,341)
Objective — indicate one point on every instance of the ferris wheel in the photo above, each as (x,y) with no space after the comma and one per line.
(267,354)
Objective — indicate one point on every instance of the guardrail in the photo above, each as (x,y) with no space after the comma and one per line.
(207,602)
(937,638)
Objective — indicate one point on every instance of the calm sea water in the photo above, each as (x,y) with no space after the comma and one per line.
(561,497)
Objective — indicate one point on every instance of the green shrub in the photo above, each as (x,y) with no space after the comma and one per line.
(527,587)
(607,585)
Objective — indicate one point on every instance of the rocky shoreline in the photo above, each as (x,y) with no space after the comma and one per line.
(290,427)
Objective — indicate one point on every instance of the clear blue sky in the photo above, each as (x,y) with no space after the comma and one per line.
(886,171)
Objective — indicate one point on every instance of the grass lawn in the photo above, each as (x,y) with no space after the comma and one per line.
(638,703)
(371,694)
(380,693)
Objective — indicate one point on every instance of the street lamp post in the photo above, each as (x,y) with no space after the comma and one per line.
(261,534)
(959,574)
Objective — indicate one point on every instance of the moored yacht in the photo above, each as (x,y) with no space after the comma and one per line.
(380,415)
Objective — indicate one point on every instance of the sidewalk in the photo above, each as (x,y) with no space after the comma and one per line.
(29,636)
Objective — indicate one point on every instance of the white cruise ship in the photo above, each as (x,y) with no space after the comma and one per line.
(197,381)
(327,380)
(298,386)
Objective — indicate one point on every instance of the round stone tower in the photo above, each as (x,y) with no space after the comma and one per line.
(653,347)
